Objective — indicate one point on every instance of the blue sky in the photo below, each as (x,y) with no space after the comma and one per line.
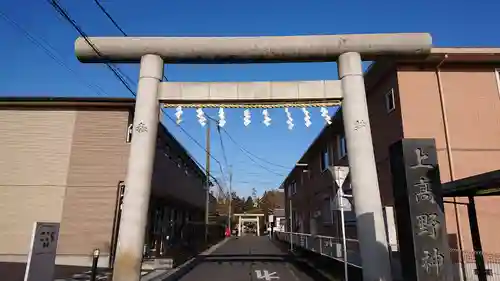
(28,71)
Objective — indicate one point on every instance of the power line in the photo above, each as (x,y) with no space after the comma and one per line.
(230,180)
(66,15)
(115,23)
(223,149)
(246,150)
(248,154)
(196,142)
(47,49)
(117,72)
(255,182)
(108,15)
(50,51)
(252,154)
(222,146)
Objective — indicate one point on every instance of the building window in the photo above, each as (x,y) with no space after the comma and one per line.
(390,103)
(325,159)
(326,211)
(341,147)
(292,188)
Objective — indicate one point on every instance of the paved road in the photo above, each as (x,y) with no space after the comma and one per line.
(249,258)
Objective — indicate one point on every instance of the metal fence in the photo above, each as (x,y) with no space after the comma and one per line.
(464,265)
(323,245)
(464,262)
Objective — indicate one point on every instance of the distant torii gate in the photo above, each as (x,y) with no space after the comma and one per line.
(242,218)
(347,50)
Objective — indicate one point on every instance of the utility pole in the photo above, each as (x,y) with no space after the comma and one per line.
(207,167)
(291,225)
(230,197)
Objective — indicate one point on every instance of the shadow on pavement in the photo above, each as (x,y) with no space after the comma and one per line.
(284,258)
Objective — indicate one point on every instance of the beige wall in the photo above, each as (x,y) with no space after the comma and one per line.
(98,162)
(472,107)
(64,166)
(35,149)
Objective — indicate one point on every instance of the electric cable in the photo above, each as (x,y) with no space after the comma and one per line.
(248,154)
(50,51)
(116,70)
(115,23)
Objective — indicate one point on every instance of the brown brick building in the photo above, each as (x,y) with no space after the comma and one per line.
(65,159)
(453,96)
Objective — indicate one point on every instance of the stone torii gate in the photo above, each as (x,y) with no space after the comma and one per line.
(242,218)
(347,50)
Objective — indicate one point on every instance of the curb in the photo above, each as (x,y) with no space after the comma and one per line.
(160,275)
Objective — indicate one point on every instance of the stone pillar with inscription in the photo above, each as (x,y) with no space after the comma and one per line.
(420,219)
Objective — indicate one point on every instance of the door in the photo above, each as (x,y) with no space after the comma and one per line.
(116,222)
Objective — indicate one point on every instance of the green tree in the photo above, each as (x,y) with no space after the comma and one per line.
(248,206)
(271,200)
(237,204)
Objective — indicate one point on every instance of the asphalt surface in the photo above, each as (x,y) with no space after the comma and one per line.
(249,258)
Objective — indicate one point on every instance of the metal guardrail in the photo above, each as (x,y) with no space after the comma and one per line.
(323,245)
(463,262)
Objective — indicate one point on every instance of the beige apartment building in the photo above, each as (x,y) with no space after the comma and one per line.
(65,160)
(452,96)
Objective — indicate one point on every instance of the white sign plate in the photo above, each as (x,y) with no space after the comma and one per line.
(271,218)
(341,173)
(42,254)
(340,202)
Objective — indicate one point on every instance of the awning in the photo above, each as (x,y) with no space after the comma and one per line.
(487,184)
